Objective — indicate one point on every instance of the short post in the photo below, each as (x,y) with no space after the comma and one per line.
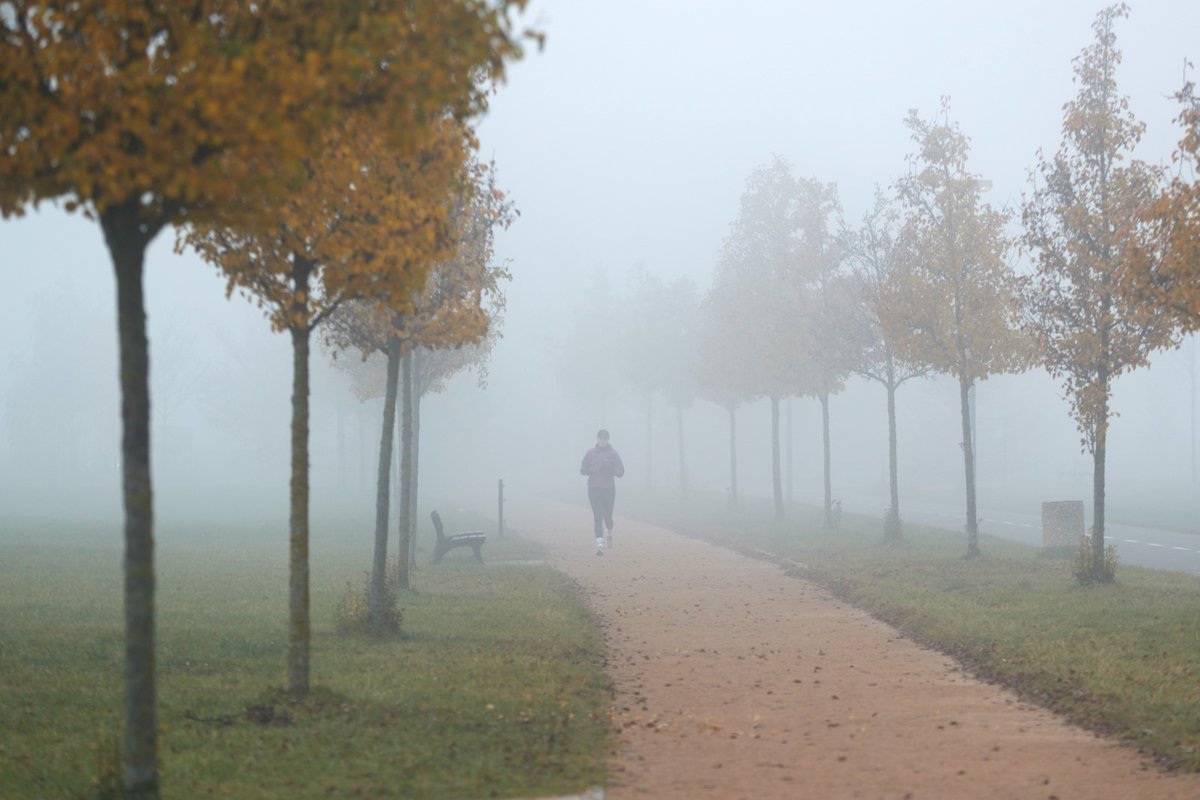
(500,508)
(1062,525)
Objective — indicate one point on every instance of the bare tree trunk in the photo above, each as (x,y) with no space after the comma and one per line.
(776,478)
(406,403)
(1098,468)
(415,472)
(824,398)
(383,481)
(341,439)
(127,243)
(733,483)
(892,530)
(1098,570)
(299,627)
(362,448)
(790,481)
(968,448)
(396,454)
(683,481)
(649,435)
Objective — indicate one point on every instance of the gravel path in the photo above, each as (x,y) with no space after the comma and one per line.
(733,680)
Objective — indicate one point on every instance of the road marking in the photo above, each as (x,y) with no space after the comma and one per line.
(1184,549)
(1154,544)
(1131,541)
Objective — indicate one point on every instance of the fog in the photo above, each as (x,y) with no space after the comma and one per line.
(626,142)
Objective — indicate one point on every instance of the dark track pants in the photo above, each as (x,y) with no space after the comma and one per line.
(602,501)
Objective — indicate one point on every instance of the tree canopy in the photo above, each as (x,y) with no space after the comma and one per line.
(954,305)
(1085,224)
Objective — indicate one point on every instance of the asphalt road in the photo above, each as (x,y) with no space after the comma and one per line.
(1144,547)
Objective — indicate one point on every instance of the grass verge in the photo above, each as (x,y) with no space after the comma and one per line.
(492,689)
(1121,659)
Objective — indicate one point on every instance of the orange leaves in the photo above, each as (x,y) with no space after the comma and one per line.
(952,303)
(1172,282)
(1085,226)
(370,219)
(211,106)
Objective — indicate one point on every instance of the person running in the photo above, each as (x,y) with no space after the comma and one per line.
(602,464)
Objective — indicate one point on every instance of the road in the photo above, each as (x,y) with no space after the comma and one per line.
(1143,547)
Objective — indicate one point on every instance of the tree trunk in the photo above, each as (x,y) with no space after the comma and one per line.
(733,484)
(892,530)
(824,398)
(683,481)
(127,243)
(1098,466)
(649,435)
(341,438)
(298,592)
(362,448)
(406,403)
(299,628)
(415,471)
(398,472)
(776,478)
(1098,570)
(383,481)
(968,448)
(790,476)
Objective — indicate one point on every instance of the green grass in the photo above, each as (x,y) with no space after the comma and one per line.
(1122,659)
(493,688)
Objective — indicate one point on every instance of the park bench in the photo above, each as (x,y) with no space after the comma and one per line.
(472,539)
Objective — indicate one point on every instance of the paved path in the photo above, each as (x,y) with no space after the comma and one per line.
(733,680)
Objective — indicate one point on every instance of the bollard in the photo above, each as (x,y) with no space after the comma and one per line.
(500,508)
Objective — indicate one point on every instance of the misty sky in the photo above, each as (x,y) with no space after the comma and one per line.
(627,140)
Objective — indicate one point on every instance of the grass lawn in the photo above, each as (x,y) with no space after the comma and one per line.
(493,688)
(1121,659)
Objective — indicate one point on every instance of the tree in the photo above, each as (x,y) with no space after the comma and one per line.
(872,252)
(585,366)
(721,367)
(458,308)
(432,368)
(825,343)
(678,317)
(638,344)
(658,349)
(364,325)
(367,222)
(1084,226)
(124,111)
(953,307)
(760,255)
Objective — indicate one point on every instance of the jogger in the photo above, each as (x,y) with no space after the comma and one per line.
(602,464)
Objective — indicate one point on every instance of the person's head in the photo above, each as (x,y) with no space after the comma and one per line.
(602,438)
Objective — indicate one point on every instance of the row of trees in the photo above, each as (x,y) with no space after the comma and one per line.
(926,282)
(315,158)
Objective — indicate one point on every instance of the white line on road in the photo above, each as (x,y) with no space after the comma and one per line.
(1154,544)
